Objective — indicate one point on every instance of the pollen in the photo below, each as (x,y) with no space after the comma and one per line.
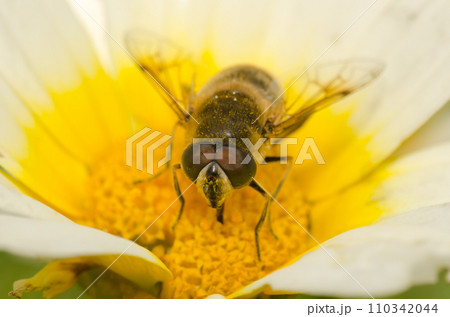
(205,256)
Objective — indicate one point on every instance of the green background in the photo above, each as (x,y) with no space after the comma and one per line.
(14,268)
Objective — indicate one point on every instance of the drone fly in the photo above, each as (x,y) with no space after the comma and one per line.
(242,102)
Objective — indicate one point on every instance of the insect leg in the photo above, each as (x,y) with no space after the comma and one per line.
(272,159)
(166,166)
(179,193)
(261,190)
(269,198)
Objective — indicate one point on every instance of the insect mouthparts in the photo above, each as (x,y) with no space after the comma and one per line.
(212,173)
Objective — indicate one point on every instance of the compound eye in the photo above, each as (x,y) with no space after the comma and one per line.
(239,166)
(194,161)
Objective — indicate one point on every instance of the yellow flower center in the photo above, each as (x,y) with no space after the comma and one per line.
(205,256)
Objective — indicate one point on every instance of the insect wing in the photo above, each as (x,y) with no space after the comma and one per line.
(168,69)
(321,87)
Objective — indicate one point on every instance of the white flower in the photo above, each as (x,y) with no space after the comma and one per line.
(67,107)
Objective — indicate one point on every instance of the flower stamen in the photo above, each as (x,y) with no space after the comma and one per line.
(205,256)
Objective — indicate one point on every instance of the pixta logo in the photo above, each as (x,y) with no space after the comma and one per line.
(307,148)
(143,146)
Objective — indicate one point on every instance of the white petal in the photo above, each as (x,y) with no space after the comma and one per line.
(58,110)
(36,29)
(409,37)
(13,203)
(435,131)
(31,229)
(53,240)
(101,40)
(49,65)
(45,53)
(4,181)
(416,180)
(57,240)
(398,33)
(386,258)
(167,19)
(261,32)
(408,246)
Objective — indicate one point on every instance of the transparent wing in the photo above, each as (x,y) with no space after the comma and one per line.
(168,69)
(322,86)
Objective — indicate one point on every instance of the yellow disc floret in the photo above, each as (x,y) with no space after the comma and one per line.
(205,256)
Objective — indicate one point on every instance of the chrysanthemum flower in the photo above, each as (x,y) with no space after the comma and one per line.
(372,221)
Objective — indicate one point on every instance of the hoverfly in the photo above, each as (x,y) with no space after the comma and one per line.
(239,102)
